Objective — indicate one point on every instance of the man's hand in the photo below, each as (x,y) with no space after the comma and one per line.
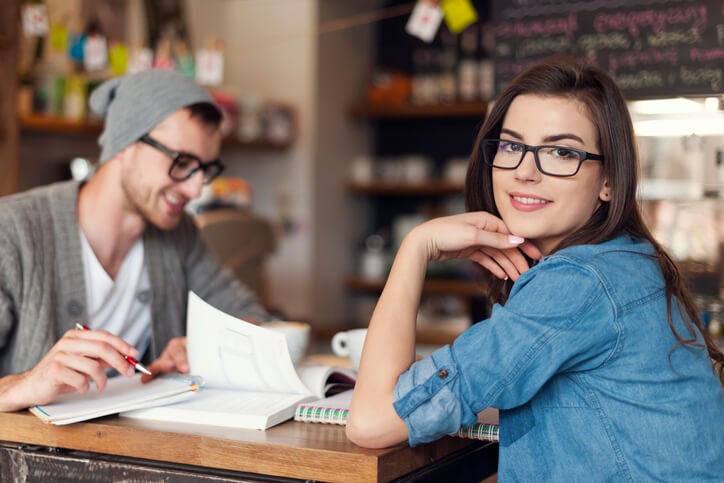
(78,358)
(173,359)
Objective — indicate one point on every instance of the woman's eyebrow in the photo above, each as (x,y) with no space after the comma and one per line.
(560,137)
(510,132)
(552,138)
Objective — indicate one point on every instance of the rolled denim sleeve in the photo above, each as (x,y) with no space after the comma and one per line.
(558,318)
(427,399)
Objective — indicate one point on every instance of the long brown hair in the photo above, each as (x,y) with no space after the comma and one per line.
(564,76)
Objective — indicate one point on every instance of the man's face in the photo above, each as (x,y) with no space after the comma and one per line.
(149,190)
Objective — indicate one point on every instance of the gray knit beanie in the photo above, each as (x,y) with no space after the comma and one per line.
(134,104)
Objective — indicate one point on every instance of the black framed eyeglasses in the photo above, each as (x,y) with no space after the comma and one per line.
(185,165)
(560,161)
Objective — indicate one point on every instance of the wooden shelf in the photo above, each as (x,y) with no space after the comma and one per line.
(439,286)
(419,189)
(41,123)
(408,111)
(50,124)
(259,145)
(434,334)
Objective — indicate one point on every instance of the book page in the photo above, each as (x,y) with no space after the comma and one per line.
(227,408)
(237,402)
(234,354)
(340,400)
(321,379)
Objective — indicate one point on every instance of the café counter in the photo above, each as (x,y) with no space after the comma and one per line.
(116,448)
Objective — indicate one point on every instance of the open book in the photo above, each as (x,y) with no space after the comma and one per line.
(120,394)
(250,381)
(335,410)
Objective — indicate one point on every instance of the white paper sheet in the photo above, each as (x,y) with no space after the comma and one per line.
(234,354)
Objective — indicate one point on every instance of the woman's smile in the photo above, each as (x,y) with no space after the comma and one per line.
(525,202)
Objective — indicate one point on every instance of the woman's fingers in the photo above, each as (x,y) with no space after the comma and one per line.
(531,250)
(488,263)
(501,263)
(481,237)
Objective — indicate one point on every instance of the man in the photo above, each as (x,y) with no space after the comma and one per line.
(116,253)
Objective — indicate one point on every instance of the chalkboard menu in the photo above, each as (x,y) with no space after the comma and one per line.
(653,48)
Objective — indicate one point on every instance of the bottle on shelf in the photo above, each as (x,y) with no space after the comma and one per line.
(468,69)
(447,61)
(420,76)
(715,323)
(486,65)
(374,262)
(447,84)
(47,78)
(75,97)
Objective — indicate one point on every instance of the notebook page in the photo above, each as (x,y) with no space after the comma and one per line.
(120,394)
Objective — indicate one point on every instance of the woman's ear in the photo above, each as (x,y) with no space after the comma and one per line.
(605,193)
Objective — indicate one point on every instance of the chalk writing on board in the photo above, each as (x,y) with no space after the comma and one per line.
(651,47)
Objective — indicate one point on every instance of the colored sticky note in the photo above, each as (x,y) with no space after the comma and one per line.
(35,20)
(58,37)
(95,53)
(458,14)
(424,21)
(118,58)
(209,67)
(77,46)
(141,59)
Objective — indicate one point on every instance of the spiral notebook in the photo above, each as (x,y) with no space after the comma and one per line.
(335,409)
(328,410)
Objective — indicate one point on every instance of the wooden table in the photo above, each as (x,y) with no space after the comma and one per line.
(129,449)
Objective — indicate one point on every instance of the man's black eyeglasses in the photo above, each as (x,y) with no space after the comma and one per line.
(185,165)
(558,161)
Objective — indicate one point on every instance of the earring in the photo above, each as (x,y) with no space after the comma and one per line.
(606,196)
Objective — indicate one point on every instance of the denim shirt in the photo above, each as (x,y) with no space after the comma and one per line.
(586,373)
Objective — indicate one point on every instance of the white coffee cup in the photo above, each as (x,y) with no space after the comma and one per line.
(297,335)
(349,344)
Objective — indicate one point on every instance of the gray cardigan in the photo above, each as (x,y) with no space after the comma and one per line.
(42,286)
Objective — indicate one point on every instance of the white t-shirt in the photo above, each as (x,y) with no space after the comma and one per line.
(121,306)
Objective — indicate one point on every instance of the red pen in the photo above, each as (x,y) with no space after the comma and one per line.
(131,360)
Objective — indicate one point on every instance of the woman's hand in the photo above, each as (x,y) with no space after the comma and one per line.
(480,237)
(173,359)
(389,347)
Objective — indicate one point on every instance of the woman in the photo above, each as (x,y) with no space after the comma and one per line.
(597,360)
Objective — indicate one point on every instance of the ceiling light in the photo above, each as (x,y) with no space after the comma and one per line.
(677,105)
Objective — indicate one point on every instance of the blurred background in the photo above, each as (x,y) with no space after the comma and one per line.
(349,122)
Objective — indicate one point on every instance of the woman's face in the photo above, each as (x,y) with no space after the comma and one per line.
(541,208)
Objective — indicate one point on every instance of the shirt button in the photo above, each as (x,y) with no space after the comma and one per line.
(144,296)
(442,373)
(74,308)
